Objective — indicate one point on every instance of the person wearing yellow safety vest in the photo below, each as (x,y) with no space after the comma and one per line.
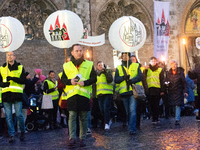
(140,103)
(78,76)
(104,92)
(125,90)
(12,78)
(50,88)
(153,82)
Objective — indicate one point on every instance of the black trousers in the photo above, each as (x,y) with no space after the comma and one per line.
(53,112)
(154,105)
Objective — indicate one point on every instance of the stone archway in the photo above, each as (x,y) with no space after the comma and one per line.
(109,12)
(190,30)
(32,14)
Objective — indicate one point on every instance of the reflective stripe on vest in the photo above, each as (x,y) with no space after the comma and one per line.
(102,86)
(54,94)
(71,71)
(153,79)
(133,72)
(14,87)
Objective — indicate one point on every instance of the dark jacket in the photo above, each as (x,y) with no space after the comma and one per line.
(118,79)
(77,102)
(153,90)
(195,74)
(177,87)
(190,87)
(30,86)
(12,96)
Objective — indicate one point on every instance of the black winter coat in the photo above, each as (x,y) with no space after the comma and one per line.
(177,87)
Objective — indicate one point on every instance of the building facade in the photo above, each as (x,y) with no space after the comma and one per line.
(97,16)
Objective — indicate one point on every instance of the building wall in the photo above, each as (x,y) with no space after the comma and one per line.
(40,54)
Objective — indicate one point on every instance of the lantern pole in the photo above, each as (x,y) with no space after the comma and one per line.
(65,55)
(127,62)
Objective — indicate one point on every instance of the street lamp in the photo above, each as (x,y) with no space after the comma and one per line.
(184,43)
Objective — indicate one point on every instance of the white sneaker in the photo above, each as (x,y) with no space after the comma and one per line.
(107,127)
(89,131)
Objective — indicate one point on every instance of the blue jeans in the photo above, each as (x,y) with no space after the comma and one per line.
(83,122)
(89,119)
(178,113)
(19,115)
(130,104)
(104,106)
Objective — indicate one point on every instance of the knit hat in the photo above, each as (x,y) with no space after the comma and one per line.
(38,71)
(42,78)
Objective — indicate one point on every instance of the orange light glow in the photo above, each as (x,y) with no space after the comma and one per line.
(87,54)
(162,58)
(184,42)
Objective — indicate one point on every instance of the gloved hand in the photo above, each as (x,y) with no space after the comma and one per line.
(6,84)
(9,78)
(126,77)
(130,82)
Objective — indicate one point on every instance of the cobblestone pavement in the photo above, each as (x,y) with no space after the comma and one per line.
(150,137)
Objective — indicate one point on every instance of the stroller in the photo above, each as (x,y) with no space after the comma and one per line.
(36,120)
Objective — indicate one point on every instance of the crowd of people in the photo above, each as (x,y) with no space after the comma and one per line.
(84,90)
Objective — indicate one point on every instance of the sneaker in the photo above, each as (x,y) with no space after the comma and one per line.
(132,132)
(177,122)
(154,122)
(72,142)
(22,136)
(82,143)
(89,131)
(64,125)
(198,118)
(57,126)
(107,127)
(11,139)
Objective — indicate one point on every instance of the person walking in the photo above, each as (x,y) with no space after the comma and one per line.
(104,92)
(177,89)
(12,78)
(154,87)
(125,90)
(50,88)
(78,76)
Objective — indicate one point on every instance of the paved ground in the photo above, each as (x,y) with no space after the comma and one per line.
(166,136)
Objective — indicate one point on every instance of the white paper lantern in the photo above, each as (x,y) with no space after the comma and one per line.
(12,34)
(63,28)
(127,34)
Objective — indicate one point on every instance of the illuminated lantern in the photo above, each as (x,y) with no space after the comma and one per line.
(12,34)
(63,28)
(127,34)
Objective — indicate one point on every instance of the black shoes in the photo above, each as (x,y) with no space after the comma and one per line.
(22,136)
(11,139)
(132,132)
(82,143)
(72,142)
(177,122)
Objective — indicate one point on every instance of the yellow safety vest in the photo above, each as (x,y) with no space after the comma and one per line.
(71,71)
(0,96)
(14,87)
(133,72)
(60,75)
(102,86)
(54,94)
(195,92)
(153,79)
